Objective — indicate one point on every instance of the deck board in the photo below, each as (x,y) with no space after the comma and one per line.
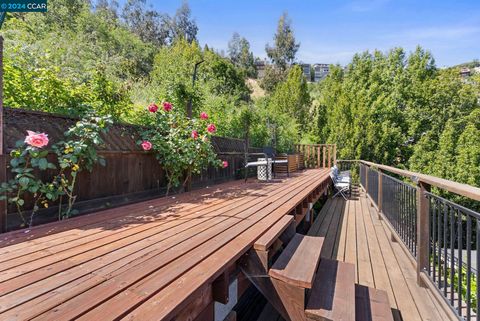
(364,240)
(142,260)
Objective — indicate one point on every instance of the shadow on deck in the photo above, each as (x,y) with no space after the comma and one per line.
(354,234)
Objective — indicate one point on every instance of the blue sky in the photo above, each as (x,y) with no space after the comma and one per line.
(332,31)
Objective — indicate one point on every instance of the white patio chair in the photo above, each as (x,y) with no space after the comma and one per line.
(340,187)
(343,177)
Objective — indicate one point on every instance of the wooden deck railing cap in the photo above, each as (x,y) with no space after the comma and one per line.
(469,191)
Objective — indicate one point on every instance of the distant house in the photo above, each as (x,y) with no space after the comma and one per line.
(260,66)
(321,71)
(306,71)
(465,72)
(476,70)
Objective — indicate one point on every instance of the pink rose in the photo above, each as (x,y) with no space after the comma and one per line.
(203,115)
(211,128)
(225,164)
(152,108)
(146,145)
(167,106)
(38,140)
(194,134)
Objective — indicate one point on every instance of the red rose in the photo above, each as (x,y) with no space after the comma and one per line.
(211,128)
(152,108)
(167,106)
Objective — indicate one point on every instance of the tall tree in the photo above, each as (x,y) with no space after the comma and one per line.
(283,52)
(240,54)
(109,9)
(183,26)
(150,25)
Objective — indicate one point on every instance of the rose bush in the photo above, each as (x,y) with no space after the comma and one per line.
(174,138)
(29,159)
(77,153)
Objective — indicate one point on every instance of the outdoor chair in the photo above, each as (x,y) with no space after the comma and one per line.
(269,159)
(342,177)
(340,187)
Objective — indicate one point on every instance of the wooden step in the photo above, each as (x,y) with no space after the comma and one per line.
(333,295)
(371,304)
(298,263)
(284,230)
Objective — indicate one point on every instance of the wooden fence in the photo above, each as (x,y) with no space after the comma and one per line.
(131,174)
(318,155)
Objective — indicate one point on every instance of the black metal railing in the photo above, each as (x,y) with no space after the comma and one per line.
(372,185)
(399,205)
(454,232)
(362,174)
(442,236)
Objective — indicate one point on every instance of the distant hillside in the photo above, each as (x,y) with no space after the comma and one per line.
(472,64)
(257,91)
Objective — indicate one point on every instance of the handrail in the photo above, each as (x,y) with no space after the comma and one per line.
(469,191)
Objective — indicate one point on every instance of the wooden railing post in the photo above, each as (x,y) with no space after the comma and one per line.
(307,158)
(423,223)
(329,157)
(318,156)
(324,155)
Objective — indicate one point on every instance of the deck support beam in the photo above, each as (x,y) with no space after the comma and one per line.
(294,299)
(220,288)
(253,267)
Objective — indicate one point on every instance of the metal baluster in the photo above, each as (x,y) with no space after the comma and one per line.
(452,253)
(469,266)
(413,222)
(434,234)
(477,248)
(439,244)
(460,260)
(409,218)
(430,200)
(445,264)
(414,210)
(401,208)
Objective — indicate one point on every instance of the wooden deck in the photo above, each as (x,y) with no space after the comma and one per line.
(354,234)
(155,260)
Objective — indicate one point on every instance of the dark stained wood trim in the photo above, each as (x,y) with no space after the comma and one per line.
(220,288)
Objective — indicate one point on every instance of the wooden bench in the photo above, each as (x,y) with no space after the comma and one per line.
(293,273)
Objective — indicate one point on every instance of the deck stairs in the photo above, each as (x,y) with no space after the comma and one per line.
(287,269)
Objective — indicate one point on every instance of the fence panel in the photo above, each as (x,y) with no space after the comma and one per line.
(131,174)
